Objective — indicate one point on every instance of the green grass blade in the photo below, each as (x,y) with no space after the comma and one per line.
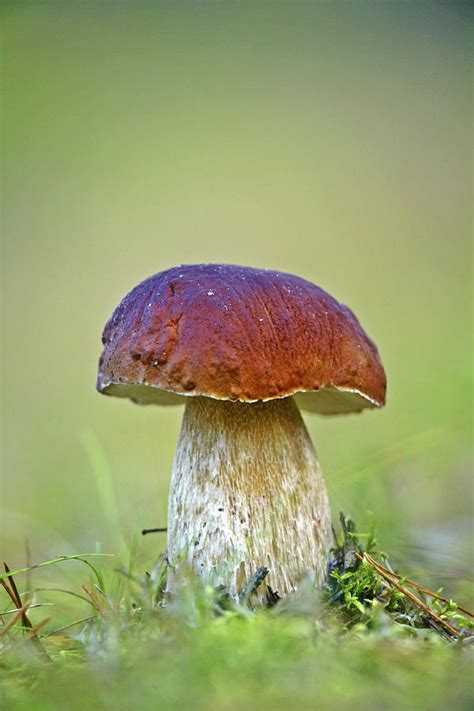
(81,557)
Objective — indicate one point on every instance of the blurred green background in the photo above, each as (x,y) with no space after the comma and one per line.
(331,140)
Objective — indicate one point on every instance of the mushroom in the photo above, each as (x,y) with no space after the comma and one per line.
(244,349)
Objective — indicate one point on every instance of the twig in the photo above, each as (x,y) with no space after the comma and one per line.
(411,596)
(253,584)
(146,531)
(420,588)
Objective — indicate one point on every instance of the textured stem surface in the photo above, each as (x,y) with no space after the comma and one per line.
(247,491)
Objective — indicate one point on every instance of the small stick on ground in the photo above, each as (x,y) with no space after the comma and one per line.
(391,578)
(253,584)
(420,588)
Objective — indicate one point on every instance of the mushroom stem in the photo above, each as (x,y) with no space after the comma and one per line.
(247,491)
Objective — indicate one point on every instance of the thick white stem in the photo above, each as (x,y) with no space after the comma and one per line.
(247,491)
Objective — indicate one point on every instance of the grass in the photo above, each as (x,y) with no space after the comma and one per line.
(362,642)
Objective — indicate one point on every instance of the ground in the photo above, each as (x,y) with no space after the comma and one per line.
(357,643)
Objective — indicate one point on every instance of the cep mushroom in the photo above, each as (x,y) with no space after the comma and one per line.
(244,349)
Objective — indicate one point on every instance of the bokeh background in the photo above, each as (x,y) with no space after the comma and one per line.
(331,140)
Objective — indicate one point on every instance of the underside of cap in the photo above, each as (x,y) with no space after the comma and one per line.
(242,334)
(326,401)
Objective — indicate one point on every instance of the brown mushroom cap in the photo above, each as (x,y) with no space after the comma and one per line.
(237,333)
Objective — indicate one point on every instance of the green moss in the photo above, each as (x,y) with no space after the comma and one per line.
(362,583)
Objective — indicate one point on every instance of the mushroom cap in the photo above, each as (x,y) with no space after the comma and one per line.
(237,333)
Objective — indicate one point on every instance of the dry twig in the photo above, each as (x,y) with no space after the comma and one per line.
(394,580)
